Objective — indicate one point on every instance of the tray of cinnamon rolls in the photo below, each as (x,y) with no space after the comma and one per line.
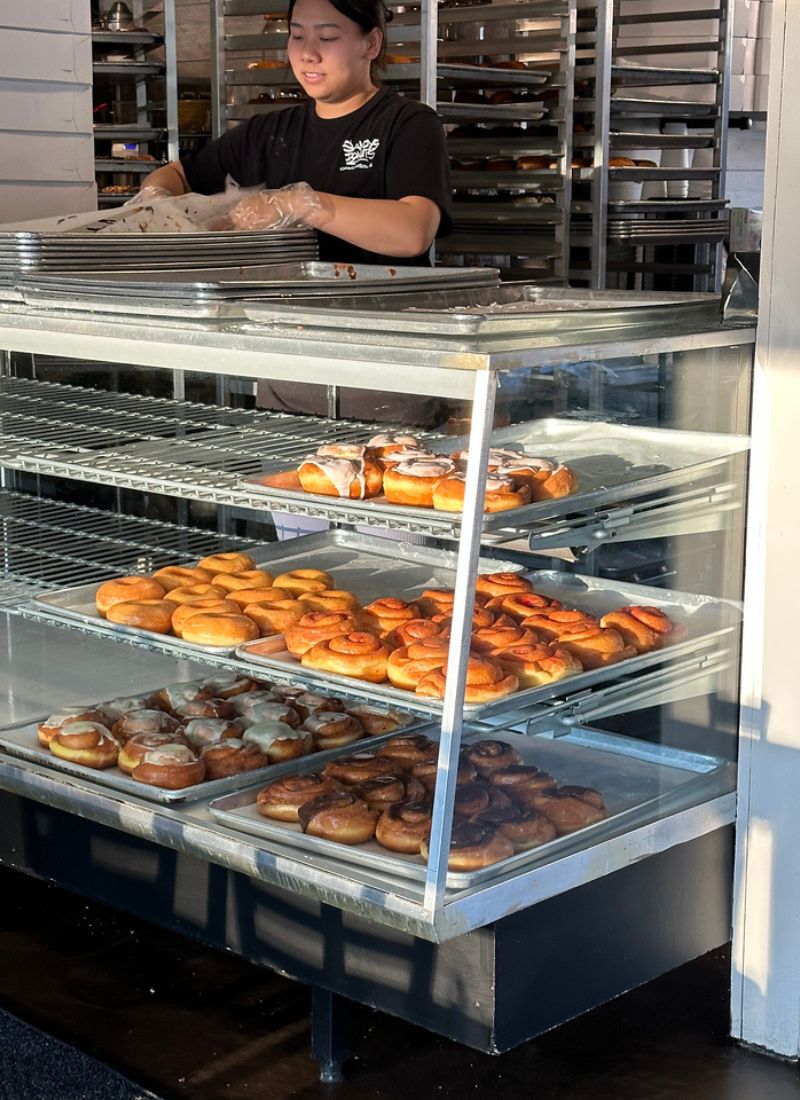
(519,800)
(198,738)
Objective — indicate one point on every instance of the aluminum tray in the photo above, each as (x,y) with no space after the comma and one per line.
(21,741)
(633,776)
(368,566)
(614,462)
(709,621)
(519,308)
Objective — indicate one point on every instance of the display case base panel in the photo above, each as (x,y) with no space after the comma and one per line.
(490,990)
(635,778)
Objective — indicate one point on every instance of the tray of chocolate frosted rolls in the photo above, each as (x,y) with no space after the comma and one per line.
(193,739)
(534,636)
(519,800)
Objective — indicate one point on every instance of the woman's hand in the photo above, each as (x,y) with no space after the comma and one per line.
(297,204)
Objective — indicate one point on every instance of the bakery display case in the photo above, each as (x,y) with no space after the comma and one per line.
(608,704)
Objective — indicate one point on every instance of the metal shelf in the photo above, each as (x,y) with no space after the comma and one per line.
(126,38)
(126,164)
(128,68)
(132,132)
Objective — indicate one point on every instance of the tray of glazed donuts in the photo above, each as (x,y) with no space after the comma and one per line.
(231,598)
(198,738)
(519,799)
(534,636)
(397,470)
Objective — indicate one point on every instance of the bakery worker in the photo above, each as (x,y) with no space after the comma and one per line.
(364,166)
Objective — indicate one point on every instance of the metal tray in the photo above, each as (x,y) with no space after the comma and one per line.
(707,620)
(519,308)
(631,775)
(614,462)
(21,741)
(368,566)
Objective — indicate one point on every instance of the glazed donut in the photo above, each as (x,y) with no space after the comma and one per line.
(358,654)
(245,701)
(278,741)
(317,626)
(405,826)
(224,685)
(204,708)
(185,611)
(524,828)
(412,631)
(470,799)
(191,593)
(503,632)
(115,708)
(427,770)
(522,783)
(272,712)
(87,743)
(536,665)
(501,584)
(174,696)
(408,749)
(551,623)
(482,617)
(354,451)
(232,561)
(411,482)
(231,757)
(332,599)
(490,756)
(406,666)
(338,816)
(309,702)
(500,494)
(382,616)
(300,581)
(376,721)
(436,601)
(205,731)
(143,721)
(473,846)
(520,605)
(332,729)
(645,628)
(47,729)
(219,628)
(170,766)
(546,480)
(406,454)
(351,478)
(383,444)
(274,618)
(178,576)
(596,646)
(133,752)
(485,682)
(248,578)
(153,615)
(124,589)
(243,597)
(386,790)
(568,811)
(497,456)
(281,799)
(357,768)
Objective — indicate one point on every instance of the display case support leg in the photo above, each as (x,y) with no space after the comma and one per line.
(329,1033)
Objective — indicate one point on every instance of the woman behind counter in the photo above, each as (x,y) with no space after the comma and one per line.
(369,169)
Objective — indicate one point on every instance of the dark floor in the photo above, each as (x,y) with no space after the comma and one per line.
(183,1021)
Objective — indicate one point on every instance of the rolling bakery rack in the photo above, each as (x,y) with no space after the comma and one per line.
(493,960)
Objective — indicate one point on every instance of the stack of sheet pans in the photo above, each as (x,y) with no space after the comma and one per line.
(217,293)
(26,252)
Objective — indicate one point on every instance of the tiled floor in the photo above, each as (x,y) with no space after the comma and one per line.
(187,1022)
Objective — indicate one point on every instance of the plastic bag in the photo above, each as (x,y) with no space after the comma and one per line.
(282,208)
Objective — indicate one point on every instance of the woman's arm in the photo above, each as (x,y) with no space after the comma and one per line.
(392,227)
(170,177)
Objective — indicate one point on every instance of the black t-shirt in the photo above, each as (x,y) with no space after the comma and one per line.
(390,148)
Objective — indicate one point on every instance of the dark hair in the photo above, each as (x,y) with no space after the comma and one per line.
(369,15)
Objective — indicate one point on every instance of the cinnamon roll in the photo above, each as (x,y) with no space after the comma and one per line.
(338,816)
(281,799)
(404,826)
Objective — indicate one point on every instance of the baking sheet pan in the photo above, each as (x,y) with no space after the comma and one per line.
(21,741)
(613,462)
(631,775)
(369,567)
(708,622)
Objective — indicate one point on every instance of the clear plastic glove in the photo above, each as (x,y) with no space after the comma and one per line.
(296,204)
(149,193)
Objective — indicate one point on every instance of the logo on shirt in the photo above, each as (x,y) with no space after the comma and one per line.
(359,154)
